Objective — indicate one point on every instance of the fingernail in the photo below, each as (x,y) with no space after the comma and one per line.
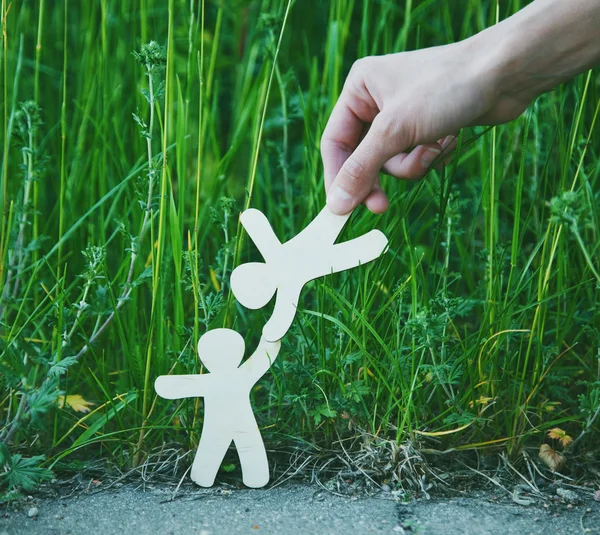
(338,200)
(429,156)
(447,141)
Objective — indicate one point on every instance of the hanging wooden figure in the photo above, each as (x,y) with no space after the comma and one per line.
(289,266)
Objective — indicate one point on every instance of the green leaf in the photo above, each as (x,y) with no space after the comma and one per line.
(61,367)
(25,472)
(42,399)
(328,412)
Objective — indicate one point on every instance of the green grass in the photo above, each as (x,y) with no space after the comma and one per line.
(480,327)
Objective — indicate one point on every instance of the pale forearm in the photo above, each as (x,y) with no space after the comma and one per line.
(543,45)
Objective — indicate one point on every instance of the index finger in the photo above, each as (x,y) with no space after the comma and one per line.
(343,132)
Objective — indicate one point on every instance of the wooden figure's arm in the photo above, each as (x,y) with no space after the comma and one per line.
(350,254)
(261,360)
(259,229)
(284,312)
(181,386)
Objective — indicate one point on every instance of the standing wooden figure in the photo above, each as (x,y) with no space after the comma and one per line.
(228,415)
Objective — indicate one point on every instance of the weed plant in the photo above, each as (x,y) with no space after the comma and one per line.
(135,131)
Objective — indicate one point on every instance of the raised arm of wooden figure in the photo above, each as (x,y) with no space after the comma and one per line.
(259,229)
(261,360)
(284,312)
(182,386)
(352,253)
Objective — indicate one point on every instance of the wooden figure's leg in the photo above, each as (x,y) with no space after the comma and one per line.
(209,457)
(253,458)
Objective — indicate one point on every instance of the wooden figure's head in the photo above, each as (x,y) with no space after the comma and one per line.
(253,284)
(221,349)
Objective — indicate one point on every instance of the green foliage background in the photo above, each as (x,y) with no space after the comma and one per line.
(479,327)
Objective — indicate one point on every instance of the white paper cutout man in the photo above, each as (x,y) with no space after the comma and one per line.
(289,266)
(228,415)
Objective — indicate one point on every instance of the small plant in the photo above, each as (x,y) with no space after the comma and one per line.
(29,379)
(20,473)
(570,209)
(28,120)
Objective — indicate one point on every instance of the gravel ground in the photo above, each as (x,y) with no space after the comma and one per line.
(289,509)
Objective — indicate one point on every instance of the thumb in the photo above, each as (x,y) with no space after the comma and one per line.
(360,171)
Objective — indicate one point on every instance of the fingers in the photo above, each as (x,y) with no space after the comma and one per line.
(415,164)
(359,173)
(339,139)
(358,179)
(449,145)
(377,201)
(344,129)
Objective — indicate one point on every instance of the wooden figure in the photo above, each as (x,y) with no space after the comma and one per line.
(228,415)
(289,266)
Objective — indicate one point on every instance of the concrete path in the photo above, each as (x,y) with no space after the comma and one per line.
(288,509)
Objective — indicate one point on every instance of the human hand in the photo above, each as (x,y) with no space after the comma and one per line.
(397,113)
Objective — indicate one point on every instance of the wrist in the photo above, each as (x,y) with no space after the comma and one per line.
(489,66)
